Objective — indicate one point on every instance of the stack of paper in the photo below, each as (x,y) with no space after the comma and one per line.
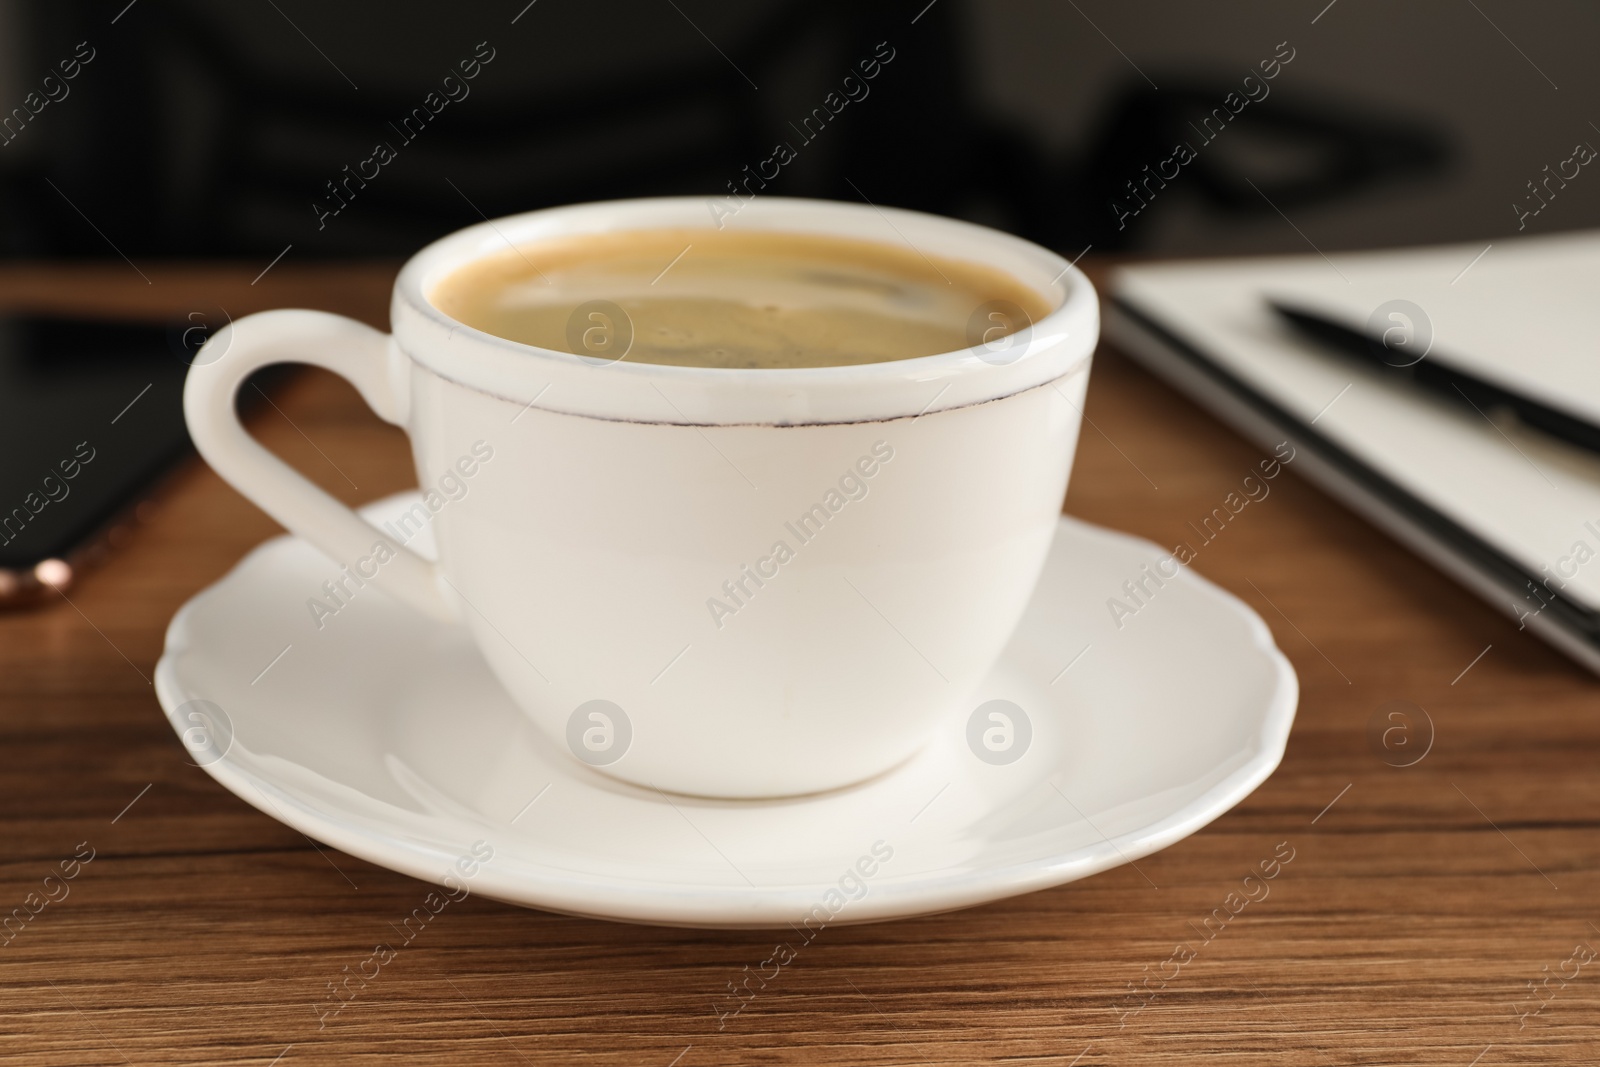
(1511,512)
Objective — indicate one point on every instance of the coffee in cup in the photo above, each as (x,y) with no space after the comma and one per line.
(772,550)
(732,299)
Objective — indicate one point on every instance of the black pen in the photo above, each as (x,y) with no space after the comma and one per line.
(1437,377)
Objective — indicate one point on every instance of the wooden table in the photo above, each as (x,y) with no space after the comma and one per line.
(1420,904)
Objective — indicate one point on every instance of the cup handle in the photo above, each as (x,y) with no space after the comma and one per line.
(355,352)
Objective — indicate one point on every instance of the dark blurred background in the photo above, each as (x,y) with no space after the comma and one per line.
(213,129)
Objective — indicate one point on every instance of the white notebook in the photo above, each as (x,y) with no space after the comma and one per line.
(1496,504)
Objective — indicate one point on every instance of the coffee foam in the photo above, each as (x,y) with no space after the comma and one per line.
(710,298)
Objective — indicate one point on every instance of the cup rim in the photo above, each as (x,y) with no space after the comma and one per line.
(517,371)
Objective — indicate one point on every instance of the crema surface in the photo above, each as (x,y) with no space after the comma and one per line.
(710,298)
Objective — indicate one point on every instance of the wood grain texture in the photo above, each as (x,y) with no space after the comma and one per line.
(1406,929)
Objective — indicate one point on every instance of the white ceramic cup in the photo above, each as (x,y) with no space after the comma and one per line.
(610,532)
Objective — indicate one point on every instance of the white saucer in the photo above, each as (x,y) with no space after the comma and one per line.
(384,735)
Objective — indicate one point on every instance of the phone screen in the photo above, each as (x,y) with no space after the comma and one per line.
(91,413)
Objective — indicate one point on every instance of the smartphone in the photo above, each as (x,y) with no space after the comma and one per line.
(91,416)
